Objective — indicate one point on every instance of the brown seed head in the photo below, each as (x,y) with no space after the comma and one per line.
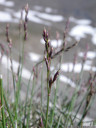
(55,76)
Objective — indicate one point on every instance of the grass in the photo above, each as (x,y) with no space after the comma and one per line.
(2,102)
(42,107)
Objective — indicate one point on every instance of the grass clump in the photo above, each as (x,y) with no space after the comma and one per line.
(41,110)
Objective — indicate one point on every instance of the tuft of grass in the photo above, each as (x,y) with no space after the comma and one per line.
(42,107)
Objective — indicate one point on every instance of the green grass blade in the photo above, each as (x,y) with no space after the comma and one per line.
(55,99)
(79,106)
(41,88)
(59,121)
(2,103)
(32,92)
(9,112)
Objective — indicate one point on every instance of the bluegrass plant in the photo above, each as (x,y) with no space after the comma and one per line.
(33,114)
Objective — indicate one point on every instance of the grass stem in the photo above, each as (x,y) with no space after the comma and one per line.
(2,103)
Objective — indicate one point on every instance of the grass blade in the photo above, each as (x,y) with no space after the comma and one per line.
(9,112)
(2,103)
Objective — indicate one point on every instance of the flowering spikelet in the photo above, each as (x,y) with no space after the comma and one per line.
(25,22)
(7,32)
(55,76)
(47,63)
(50,82)
(9,40)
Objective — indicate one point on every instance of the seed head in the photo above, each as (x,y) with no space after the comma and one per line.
(55,76)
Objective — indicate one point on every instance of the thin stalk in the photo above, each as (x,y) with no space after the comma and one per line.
(47,111)
(48,95)
(17,94)
(55,98)
(2,103)
(59,121)
(86,111)
(45,119)
(13,77)
(30,103)
(27,96)
(57,84)
(41,89)
(7,75)
(8,109)
(74,97)
(79,106)
(21,56)
(70,107)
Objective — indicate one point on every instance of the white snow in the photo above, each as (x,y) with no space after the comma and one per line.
(32,16)
(50,17)
(52,68)
(42,41)
(90,54)
(88,62)
(94,37)
(83,29)
(80,21)
(67,80)
(80,31)
(54,43)
(34,57)
(25,73)
(7,3)
(6,17)
(39,17)
(68,67)
(48,10)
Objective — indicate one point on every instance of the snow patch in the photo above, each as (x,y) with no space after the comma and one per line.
(32,16)
(25,73)
(54,43)
(7,3)
(34,57)
(48,10)
(80,21)
(6,17)
(50,17)
(90,54)
(68,67)
(67,80)
(80,31)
